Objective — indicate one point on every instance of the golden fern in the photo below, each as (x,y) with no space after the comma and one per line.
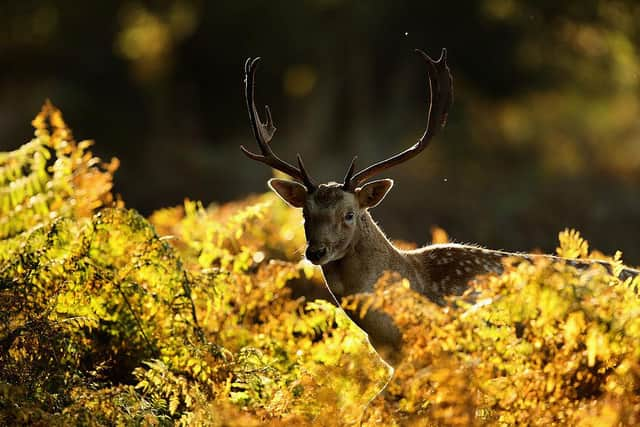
(107,318)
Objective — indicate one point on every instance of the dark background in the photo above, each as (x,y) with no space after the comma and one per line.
(544,132)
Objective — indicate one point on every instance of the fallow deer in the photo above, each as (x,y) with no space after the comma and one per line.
(345,241)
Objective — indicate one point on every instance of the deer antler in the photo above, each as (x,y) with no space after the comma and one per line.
(441,97)
(263,132)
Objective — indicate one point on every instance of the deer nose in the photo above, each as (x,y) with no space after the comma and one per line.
(315,254)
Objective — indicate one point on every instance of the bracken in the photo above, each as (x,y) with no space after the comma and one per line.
(187,318)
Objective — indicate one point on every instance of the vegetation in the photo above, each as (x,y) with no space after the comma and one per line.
(188,318)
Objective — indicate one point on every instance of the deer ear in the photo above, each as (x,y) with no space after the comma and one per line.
(291,192)
(372,193)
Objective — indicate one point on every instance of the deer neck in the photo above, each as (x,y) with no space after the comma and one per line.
(367,258)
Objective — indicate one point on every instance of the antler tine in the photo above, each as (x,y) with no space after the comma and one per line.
(440,99)
(264,131)
(306,180)
(352,168)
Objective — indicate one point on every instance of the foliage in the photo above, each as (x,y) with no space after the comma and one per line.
(544,343)
(100,316)
(51,176)
(104,322)
(289,356)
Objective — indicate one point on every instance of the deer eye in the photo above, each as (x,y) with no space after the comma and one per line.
(348,216)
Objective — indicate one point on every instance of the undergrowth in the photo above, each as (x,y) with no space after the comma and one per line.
(188,318)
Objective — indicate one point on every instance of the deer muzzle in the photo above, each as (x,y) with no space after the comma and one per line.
(316,253)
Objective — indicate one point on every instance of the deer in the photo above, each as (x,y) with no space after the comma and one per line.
(349,246)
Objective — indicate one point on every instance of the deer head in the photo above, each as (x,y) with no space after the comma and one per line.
(334,211)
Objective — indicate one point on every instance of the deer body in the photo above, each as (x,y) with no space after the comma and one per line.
(344,240)
(434,271)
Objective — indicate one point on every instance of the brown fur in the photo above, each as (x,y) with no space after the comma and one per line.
(359,253)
